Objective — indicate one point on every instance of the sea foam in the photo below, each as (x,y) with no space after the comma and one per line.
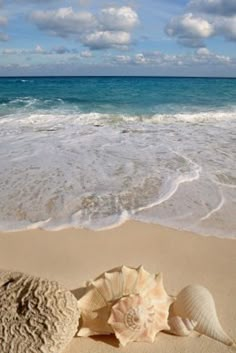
(94,152)
(61,168)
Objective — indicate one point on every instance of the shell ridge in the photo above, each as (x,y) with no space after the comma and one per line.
(93,285)
(149,285)
(133,290)
(108,279)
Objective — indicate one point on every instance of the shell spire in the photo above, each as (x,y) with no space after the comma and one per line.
(196,303)
(134,319)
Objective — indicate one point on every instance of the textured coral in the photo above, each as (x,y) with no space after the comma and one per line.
(36,315)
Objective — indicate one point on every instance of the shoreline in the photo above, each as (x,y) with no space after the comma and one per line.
(39,226)
(73,256)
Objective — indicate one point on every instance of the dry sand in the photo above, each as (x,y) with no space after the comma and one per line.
(74,256)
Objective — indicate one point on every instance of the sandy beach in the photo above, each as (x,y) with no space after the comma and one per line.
(117,172)
(73,256)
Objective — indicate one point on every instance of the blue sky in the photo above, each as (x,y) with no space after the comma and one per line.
(122,37)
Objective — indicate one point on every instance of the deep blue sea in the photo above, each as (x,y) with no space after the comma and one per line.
(95,151)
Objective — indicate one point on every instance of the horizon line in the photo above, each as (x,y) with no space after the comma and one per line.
(117,76)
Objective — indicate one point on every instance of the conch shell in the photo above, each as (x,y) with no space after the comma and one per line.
(121,287)
(181,326)
(134,318)
(196,303)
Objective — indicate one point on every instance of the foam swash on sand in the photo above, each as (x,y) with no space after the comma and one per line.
(93,152)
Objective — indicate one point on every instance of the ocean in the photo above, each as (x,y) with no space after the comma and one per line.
(93,152)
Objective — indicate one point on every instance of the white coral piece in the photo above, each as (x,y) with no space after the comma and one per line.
(36,315)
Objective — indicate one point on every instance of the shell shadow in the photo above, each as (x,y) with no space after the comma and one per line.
(79,292)
(107,339)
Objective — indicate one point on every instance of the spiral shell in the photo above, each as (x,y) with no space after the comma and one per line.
(134,318)
(196,303)
(181,326)
(36,315)
(102,293)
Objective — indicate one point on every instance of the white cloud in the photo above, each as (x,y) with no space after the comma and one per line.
(140,59)
(64,21)
(205,55)
(86,54)
(118,19)
(14,51)
(122,59)
(191,26)
(8,51)
(203,52)
(107,39)
(39,49)
(208,18)
(199,63)
(202,56)
(215,7)
(110,28)
(190,29)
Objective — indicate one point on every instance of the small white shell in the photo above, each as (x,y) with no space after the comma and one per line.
(196,303)
(181,326)
(107,289)
(134,318)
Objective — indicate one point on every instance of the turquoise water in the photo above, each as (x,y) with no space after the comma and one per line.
(95,151)
(133,95)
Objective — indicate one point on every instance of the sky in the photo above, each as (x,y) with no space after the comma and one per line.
(118,37)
